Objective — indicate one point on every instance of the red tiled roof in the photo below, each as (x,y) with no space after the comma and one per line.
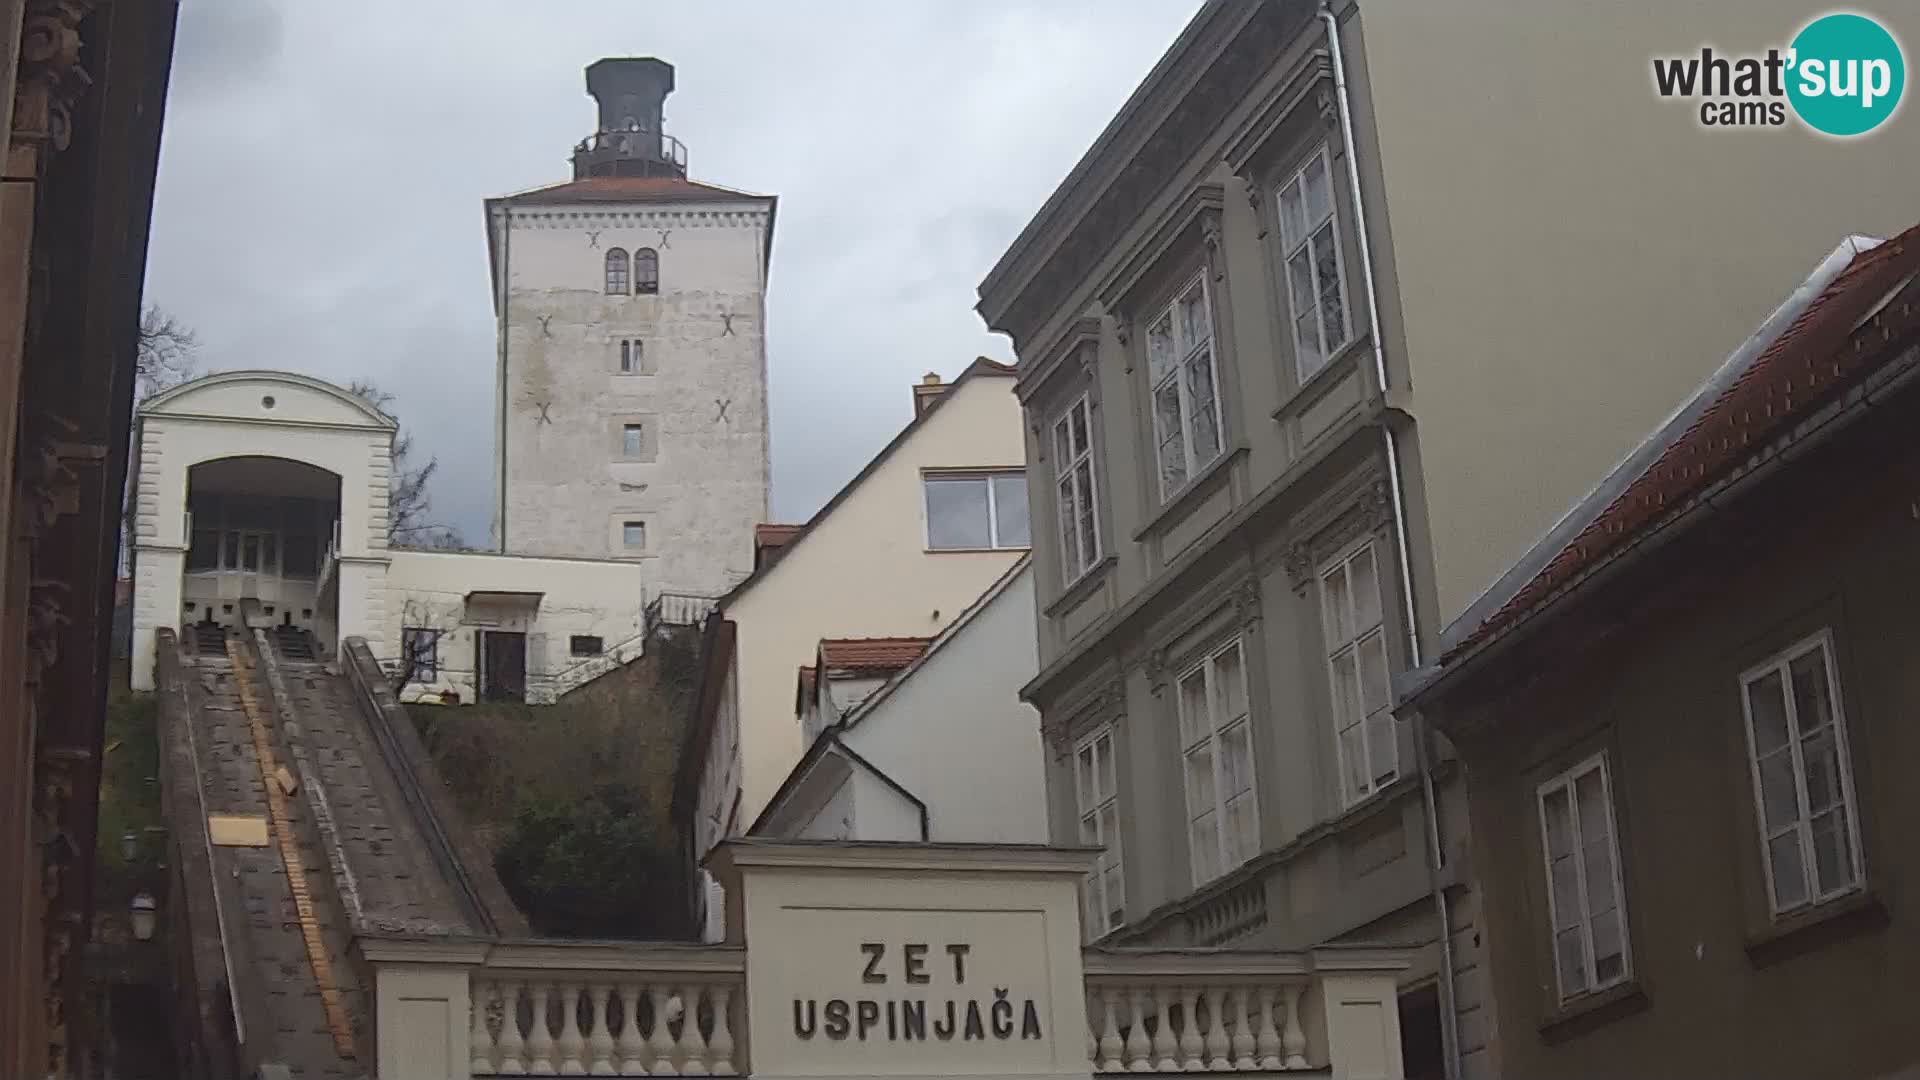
(653,189)
(871,654)
(1794,375)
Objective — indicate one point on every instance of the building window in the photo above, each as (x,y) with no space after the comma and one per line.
(1186,408)
(633,535)
(1584,898)
(1098,798)
(646,272)
(632,356)
(1357,662)
(1309,237)
(420,651)
(203,553)
(585,645)
(1076,487)
(616,272)
(1802,776)
(632,440)
(978,511)
(1223,823)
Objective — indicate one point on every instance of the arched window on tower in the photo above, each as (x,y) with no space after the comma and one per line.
(617,272)
(646,272)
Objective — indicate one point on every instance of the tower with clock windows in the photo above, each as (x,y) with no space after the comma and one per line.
(631,379)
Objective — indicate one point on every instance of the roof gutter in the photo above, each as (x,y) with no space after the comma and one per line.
(1449,1019)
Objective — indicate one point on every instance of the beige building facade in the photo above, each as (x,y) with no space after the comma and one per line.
(1336,315)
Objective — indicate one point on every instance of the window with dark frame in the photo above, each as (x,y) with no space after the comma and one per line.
(616,272)
(632,356)
(585,645)
(420,650)
(633,535)
(646,272)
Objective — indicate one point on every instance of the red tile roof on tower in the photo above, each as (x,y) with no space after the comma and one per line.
(871,654)
(616,189)
(1794,375)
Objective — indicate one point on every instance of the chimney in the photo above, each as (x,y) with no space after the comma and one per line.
(629,139)
(926,392)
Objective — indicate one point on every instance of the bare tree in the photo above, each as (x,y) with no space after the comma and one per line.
(408,502)
(165,357)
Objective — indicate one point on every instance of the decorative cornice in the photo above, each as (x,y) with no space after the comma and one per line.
(574,218)
(51,79)
(1197,211)
(1335,521)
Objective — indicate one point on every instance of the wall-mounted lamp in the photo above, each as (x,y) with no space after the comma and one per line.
(142,914)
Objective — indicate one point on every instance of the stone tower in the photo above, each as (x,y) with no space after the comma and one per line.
(631,387)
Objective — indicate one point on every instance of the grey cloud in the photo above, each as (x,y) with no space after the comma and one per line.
(319,205)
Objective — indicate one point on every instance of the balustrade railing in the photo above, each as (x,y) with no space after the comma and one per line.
(626,1017)
(1158,1012)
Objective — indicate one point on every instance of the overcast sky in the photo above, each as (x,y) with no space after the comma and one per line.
(321,178)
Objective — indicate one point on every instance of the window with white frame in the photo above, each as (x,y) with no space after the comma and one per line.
(1097,796)
(1216,741)
(1186,404)
(1076,486)
(1356,639)
(1309,239)
(1585,902)
(1802,776)
(973,511)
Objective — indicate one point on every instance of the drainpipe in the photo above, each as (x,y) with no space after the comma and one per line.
(500,387)
(1449,1020)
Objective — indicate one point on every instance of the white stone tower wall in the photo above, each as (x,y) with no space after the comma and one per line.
(700,483)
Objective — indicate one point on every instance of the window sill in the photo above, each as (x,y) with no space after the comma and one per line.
(1336,368)
(1597,1009)
(1816,927)
(1182,500)
(976,550)
(1081,587)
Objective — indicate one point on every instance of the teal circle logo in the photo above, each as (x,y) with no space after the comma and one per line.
(1846,74)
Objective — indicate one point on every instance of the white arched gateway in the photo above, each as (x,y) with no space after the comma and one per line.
(260,500)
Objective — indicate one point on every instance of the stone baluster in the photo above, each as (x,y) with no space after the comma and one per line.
(512,1063)
(1266,1042)
(632,1044)
(1139,1050)
(1110,1032)
(540,1038)
(1293,1041)
(1242,1030)
(600,1043)
(571,1044)
(480,1040)
(1165,1046)
(1190,1043)
(659,1042)
(1217,1045)
(722,1042)
(693,1048)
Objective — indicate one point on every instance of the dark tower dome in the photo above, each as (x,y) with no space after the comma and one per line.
(630,140)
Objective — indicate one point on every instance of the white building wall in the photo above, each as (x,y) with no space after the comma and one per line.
(700,483)
(865,571)
(428,590)
(248,414)
(956,734)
